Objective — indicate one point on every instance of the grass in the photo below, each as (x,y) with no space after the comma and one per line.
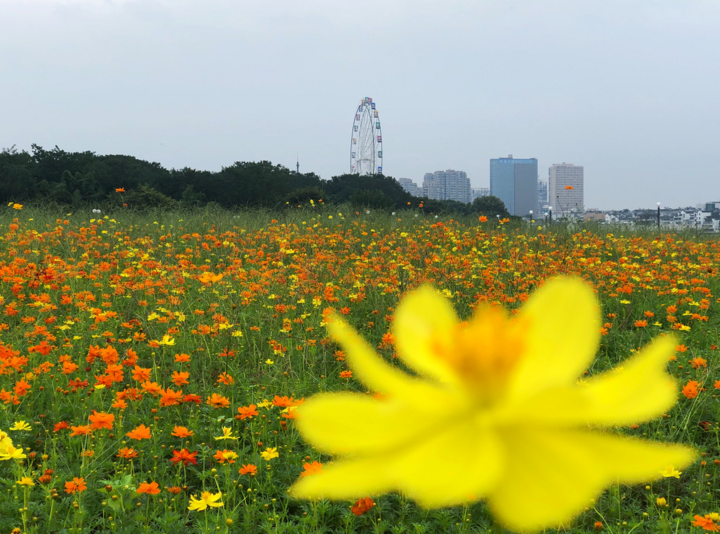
(122,281)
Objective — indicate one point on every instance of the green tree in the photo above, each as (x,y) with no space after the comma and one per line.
(490,206)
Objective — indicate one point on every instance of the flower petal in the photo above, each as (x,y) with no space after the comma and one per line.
(557,472)
(563,323)
(376,373)
(341,423)
(460,464)
(424,317)
(636,391)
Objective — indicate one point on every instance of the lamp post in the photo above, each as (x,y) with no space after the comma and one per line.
(550,212)
(658,215)
(531,212)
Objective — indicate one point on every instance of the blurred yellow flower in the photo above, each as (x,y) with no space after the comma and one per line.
(670,471)
(26,481)
(495,412)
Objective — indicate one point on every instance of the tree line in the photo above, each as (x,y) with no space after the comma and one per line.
(87,179)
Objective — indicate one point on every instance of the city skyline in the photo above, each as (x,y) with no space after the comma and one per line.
(622,87)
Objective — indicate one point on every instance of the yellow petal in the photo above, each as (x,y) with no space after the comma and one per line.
(377,374)
(637,390)
(563,322)
(341,423)
(424,317)
(460,464)
(555,473)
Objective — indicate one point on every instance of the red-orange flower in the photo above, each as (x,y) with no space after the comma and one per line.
(706,523)
(184,456)
(698,362)
(182,432)
(141,374)
(140,432)
(180,378)
(362,506)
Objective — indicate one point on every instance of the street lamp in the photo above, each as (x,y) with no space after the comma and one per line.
(550,212)
(658,216)
(531,212)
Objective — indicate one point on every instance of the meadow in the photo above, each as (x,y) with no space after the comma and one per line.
(146,358)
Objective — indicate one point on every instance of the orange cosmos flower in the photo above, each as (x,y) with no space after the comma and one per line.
(691,389)
(248,469)
(226,379)
(141,374)
(127,453)
(140,432)
(120,190)
(362,506)
(101,420)
(184,456)
(174,490)
(76,485)
(170,397)
(247,412)
(82,430)
(311,469)
(569,188)
(698,362)
(181,358)
(153,388)
(708,522)
(640,324)
(482,218)
(182,432)
(346,374)
(151,489)
(180,379)
(218,401)
(225,456)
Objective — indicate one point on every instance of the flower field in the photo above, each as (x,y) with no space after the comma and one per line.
(151,366)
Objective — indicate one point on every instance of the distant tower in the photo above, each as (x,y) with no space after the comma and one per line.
(297,165)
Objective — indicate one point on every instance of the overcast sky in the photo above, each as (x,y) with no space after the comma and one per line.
(627,88)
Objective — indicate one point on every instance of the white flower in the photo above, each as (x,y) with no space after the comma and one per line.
(393,213)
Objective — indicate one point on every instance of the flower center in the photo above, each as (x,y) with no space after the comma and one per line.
(484,351)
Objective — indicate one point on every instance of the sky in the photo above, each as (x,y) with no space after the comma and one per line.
(626,88)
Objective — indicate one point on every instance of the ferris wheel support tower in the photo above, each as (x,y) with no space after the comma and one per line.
(366,152)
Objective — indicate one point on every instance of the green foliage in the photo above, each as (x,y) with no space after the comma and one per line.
(490,206)
(145,197)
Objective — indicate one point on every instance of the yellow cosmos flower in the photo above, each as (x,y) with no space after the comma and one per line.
(495,411)
(270,453)
(26,481)
(20,425)
(227,434)
(167,340)
(206,499)
(10,452)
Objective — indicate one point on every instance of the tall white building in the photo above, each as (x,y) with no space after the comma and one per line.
(566,188)
(411,187)
(447,185)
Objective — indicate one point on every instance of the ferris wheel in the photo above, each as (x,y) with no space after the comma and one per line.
(366,153)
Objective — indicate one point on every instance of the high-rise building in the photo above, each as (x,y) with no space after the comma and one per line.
(447,185)
(566,188)
(542,194)
(515,182)
(411,187)
(478,192)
